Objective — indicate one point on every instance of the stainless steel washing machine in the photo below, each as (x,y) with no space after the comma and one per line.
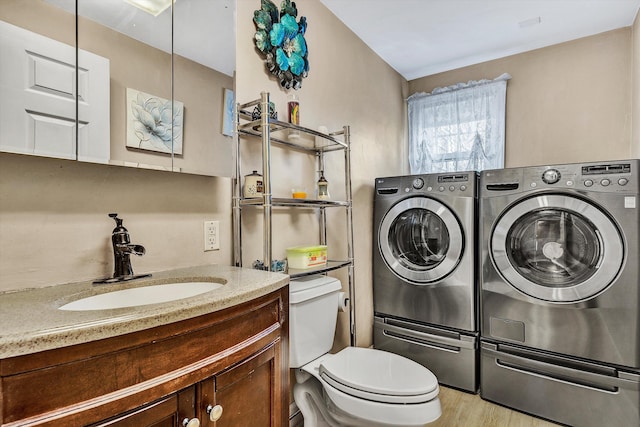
(560,293)
(424,286)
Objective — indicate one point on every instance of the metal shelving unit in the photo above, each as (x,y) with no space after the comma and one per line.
(248,129)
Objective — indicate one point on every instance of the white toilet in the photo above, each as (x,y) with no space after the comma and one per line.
(356,386)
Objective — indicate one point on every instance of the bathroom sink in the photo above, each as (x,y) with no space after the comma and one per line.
(145,295)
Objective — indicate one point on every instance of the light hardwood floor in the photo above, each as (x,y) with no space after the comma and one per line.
(460,409)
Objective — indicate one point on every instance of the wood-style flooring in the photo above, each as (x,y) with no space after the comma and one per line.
(460,409)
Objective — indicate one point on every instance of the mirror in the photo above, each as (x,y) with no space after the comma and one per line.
(129,113)
(204,62)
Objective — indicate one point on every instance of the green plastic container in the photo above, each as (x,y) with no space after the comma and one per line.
(302,257)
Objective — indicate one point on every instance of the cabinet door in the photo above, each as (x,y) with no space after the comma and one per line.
(248,393)
(38,96)
(167,412)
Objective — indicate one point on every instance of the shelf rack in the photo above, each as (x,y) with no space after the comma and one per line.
(248,128)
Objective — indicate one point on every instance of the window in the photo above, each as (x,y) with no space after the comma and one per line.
(458,128)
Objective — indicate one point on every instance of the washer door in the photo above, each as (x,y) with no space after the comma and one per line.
(557,248)
(421,240)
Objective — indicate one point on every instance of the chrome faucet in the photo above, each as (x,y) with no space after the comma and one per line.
(122,250)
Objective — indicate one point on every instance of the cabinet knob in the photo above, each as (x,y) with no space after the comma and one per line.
(193,422)
(215,412)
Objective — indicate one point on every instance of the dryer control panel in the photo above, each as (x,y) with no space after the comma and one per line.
(459,184)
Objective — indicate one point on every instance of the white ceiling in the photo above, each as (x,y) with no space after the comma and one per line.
(423,37)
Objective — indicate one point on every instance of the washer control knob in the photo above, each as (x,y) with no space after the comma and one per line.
(418,183)
(551,176)
(605,182)
(452,188)
(463,187)
(441,188)
(588,183)
(623,181)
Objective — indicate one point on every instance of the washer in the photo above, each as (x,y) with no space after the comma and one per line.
(559,248)
(424,272)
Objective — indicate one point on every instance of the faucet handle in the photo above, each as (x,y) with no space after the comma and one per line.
(116,219)
(118,222)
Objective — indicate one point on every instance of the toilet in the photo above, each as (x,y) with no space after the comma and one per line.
(356,386)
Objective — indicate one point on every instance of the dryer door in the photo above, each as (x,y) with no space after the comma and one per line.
(421,240)
(557,248)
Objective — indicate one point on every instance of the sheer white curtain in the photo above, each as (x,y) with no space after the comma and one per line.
(459,127)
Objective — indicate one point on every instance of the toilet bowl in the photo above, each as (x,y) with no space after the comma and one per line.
(356,386)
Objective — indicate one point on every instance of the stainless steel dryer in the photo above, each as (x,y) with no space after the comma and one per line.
(424,273)
(560,319)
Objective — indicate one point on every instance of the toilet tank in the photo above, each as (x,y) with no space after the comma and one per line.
(313,312)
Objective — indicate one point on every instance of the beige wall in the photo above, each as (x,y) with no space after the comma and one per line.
(57,24)
(54,226)
(348,84)
(566,103)
(635,134)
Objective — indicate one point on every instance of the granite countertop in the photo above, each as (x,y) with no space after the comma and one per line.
(31,321)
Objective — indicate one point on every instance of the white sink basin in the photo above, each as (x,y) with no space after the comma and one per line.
(141,296)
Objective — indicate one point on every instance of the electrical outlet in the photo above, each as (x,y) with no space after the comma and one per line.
(211,235)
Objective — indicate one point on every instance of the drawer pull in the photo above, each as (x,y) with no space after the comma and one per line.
(193,422)
(215,412)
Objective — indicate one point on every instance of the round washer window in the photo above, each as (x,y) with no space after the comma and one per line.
(554,247)
(420,240)
(557,248)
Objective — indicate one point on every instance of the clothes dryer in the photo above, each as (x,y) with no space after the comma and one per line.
(424,272)
(559,248)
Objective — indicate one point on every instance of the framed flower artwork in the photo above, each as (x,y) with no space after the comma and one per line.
(227,113)
(152,123)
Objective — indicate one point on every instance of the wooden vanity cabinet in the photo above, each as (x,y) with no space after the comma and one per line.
(244,392)
(236,358)
(167,412)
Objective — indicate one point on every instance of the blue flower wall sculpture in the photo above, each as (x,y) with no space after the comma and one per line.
(280,38)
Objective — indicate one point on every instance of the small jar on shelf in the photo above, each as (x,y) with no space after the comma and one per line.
(323,187)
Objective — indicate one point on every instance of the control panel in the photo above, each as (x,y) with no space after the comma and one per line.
(602,176)
(459,184)
(619,176)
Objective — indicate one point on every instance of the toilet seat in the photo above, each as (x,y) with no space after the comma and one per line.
(379,376)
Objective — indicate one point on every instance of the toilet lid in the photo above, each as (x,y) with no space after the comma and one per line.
(379,375)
